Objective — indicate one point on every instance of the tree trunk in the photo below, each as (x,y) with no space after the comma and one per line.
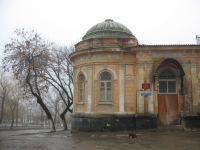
(55,117)
(52,125)
(40,101)
(62,116)
(16,116)
(2,112)
(12,122)
(64,122)
(2,106)
(46,110)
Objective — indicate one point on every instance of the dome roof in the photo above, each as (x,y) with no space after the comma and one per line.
(108,29)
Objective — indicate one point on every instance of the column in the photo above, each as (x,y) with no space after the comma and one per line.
(89,81)
(140,99)
(121,87)
(193,65)
(149,80)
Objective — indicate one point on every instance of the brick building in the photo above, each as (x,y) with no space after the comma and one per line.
(121,84)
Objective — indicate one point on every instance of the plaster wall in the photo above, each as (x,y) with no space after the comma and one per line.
(129,67)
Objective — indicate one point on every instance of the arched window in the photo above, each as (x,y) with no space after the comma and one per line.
(105,87)
(167,82)
(82,88)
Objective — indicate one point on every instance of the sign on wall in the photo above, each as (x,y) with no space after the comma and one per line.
(146,94)
(145,85)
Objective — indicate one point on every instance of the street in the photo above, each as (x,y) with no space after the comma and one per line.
(42,139)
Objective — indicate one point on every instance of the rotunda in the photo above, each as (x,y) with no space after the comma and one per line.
(120,84)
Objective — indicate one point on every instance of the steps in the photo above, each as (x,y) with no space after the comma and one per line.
(171,128)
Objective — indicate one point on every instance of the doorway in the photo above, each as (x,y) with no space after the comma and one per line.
(167,98)
(168,109)
(169,80)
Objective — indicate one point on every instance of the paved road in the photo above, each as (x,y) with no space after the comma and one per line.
(67,140)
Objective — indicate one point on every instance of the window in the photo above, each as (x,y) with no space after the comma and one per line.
(167,82)
(105,87)
(82,88)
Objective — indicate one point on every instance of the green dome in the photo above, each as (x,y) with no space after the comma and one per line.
(108,29)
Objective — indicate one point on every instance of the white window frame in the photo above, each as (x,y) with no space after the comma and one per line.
(105,88)
(81,89)
(167,85)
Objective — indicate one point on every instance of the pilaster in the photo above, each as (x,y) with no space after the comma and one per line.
(149,80)
(121,87)
(193,65)
(186,87)
(140,76)
(89,100)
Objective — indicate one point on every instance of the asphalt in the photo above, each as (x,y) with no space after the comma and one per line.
(43,139)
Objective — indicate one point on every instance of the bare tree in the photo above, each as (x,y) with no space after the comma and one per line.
(2,93)
(54,99)
(27,55)
(59,74)
(13,99)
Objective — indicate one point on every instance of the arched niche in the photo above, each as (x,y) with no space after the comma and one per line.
(79,72)
(105,69)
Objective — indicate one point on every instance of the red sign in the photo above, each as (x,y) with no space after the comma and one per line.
(145,85)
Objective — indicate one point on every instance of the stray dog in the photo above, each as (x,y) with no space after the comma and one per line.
(132,135)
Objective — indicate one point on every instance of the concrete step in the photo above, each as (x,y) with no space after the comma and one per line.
(171,128)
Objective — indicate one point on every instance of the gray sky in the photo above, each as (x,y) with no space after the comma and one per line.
(67,21)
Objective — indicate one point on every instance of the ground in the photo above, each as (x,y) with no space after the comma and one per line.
(42,139)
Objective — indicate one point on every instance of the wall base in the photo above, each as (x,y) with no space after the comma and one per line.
(112,122)
(191,121)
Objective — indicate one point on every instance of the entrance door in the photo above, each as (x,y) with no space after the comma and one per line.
(168,109)
(167,99)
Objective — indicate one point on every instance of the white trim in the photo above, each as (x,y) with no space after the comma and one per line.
(82,71)
(105,87)
(167,85)
(82,90)
(121,87)
(105,103)
(103,68)
(170,68)
(80,103)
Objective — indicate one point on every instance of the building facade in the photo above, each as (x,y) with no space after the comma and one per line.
(121,84)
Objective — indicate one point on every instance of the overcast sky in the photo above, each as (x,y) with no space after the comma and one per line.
(67,21)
